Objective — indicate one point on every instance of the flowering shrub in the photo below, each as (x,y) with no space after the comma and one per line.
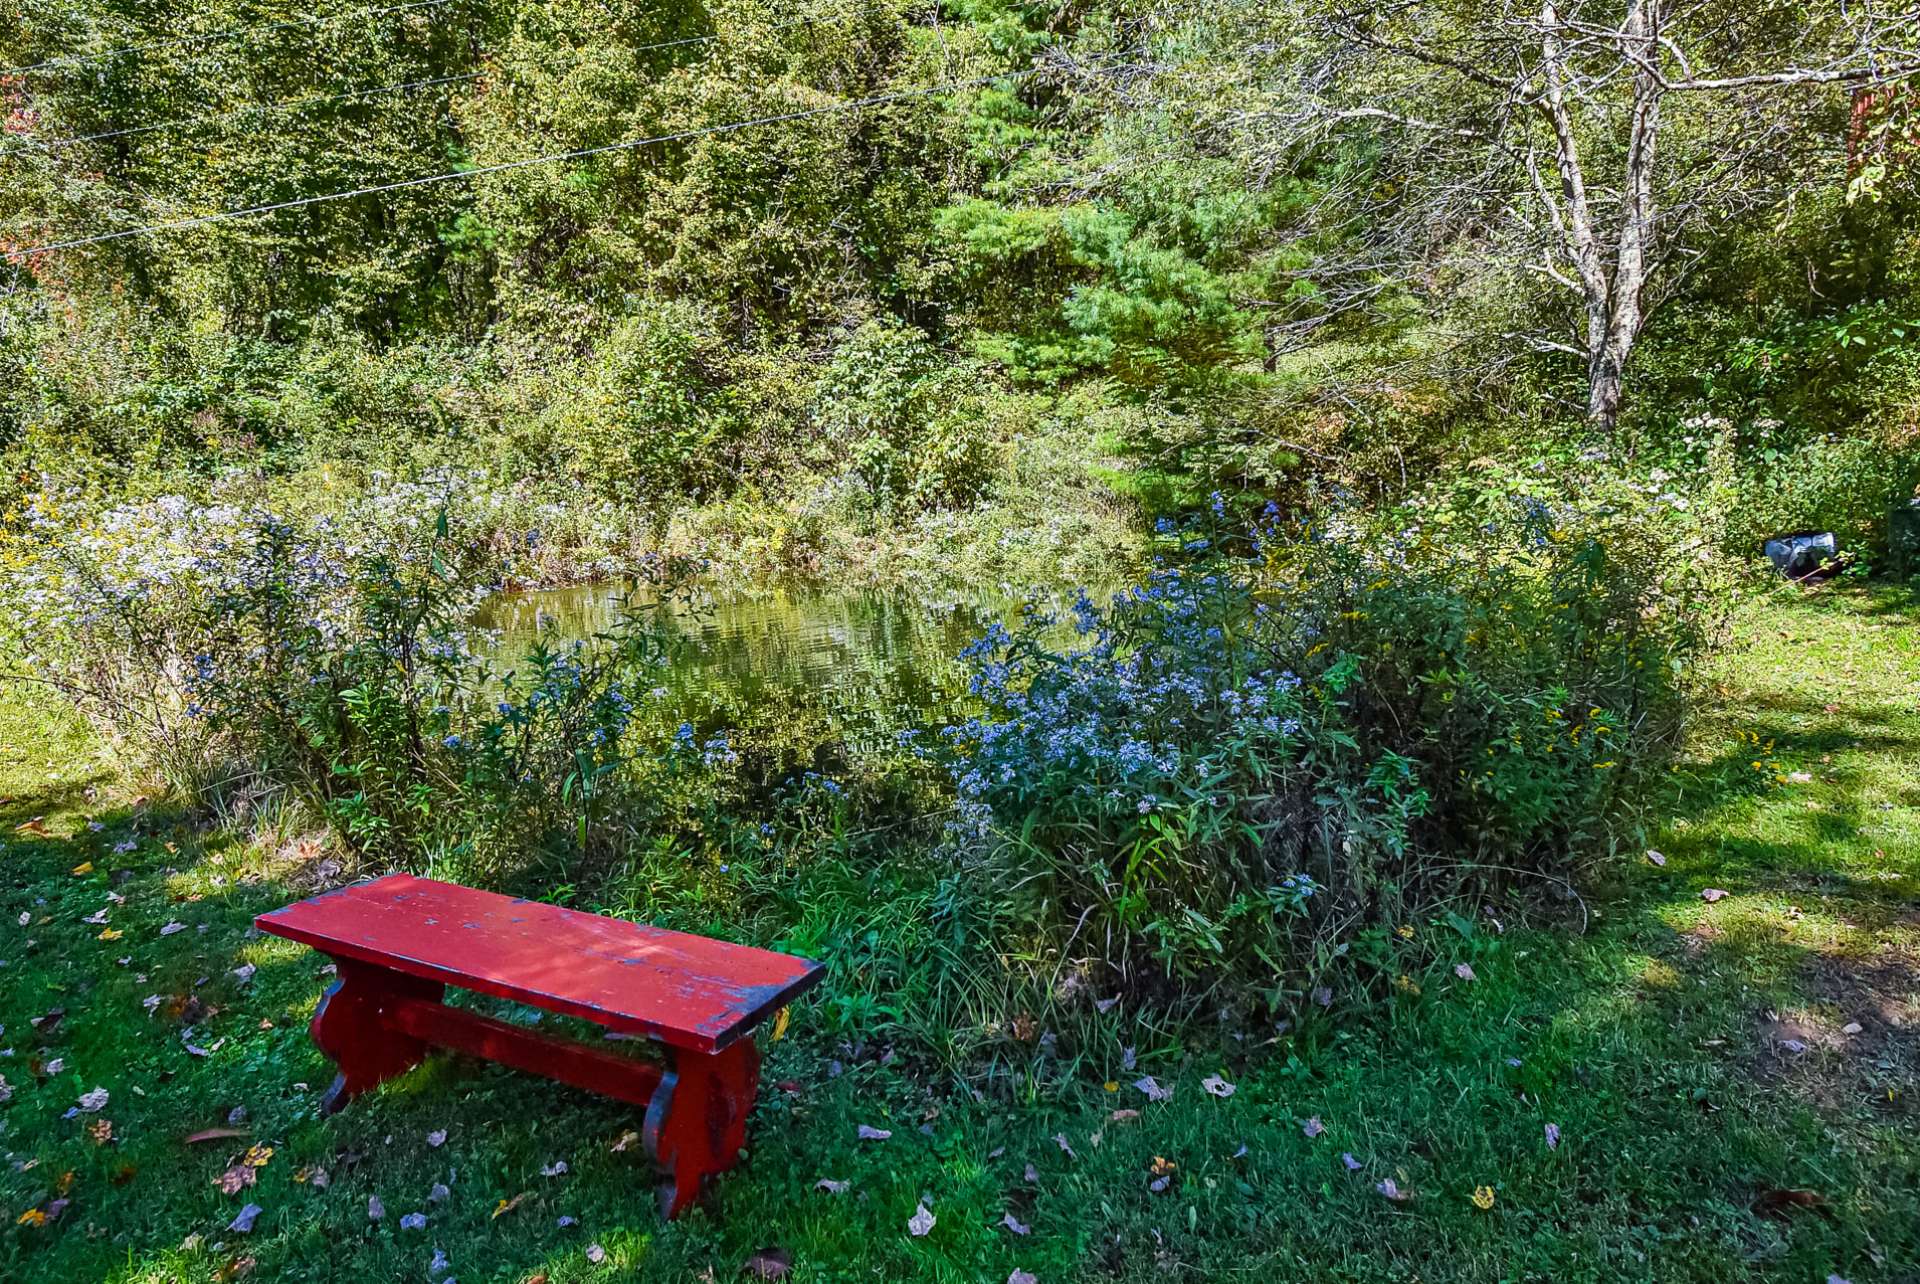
(234,652)
(1339,723)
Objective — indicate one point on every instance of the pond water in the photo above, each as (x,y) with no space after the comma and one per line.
(876,661)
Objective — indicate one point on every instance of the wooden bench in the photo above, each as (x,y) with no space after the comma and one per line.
(399,941)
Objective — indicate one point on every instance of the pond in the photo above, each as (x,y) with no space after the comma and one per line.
(876,661)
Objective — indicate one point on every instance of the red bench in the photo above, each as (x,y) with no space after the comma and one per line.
(399,941)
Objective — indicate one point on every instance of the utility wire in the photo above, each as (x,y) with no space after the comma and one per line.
(80,60)
(877,100)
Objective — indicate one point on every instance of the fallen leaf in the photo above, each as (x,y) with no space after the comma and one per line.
(244,1222)
(623,1141)
(1353,1165)
(83,868)
(1392,1191)
(1655,858)
(171,928)
(1124,1116)
(831,1186)
(1793,1045)
(1776,1202)
(1151,1089)
(506,1206)
(778,1033)
(245,972)
(874,1134)
(768,1264)
(92,1101)
(1015,1225)
(257,1156)
(1218,1087)
(1712,894)
(234,1269)
(1483,1197)
(32,1217)
(214,1134)
(922,1220)
(37,827)
(236,1179)
(110,934)
(101,1130)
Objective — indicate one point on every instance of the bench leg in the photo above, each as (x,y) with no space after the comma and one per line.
(348,1027)
(697,1120)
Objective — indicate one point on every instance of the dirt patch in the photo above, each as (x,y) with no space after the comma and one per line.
(1856,1041)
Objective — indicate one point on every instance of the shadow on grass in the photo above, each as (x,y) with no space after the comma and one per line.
(1661,1047)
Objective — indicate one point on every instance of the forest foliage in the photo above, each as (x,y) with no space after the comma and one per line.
(1167,248)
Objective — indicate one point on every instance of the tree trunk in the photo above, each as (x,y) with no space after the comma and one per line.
(1606,377)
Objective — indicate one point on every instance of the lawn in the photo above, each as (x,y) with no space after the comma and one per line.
(1653,1081)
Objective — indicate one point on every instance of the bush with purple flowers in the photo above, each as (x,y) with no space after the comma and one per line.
(234,654)
(1288,732)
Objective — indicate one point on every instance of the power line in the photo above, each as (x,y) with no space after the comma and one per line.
(877,100)
(80,60)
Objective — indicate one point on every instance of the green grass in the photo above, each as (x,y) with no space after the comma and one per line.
(1660,1040)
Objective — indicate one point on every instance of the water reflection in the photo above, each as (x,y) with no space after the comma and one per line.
(875,661)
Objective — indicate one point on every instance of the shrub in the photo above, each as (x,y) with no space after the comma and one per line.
(230,651)
(1844,485)
(910,427)
(1274,739)
(655,418)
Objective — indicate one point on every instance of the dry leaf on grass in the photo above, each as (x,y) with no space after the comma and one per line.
(768,1264)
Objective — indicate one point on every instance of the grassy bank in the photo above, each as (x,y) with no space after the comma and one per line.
(1730,1081)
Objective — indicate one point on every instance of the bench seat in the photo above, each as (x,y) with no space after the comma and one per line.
(399,941)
